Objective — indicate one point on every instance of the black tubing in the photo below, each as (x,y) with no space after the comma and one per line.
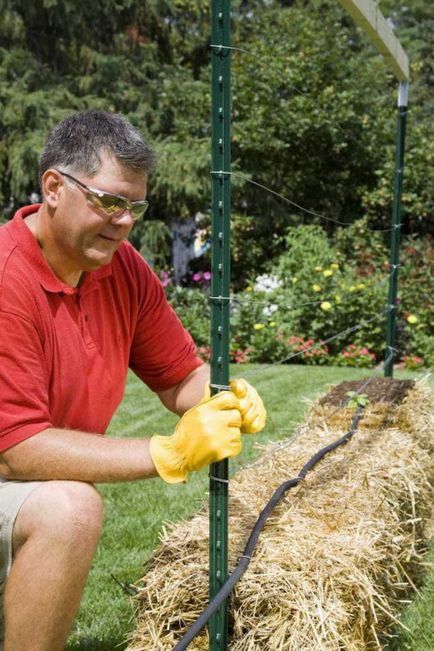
(246,556)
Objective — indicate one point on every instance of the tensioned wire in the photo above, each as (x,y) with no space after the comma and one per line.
(292,203)
(302,208)
(305,95)
(294,306)
(260,185)
(269,65)
(233,298)
(323,342)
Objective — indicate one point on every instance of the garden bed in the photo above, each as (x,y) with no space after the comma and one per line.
(339,554)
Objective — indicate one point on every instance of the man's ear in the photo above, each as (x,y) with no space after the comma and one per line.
(52,186)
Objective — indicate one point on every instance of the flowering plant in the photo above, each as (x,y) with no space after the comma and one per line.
(201,278)
(310,352)
(239,355)
(236,355)
(411,362)
(266,283)
(165,278)
(354,355)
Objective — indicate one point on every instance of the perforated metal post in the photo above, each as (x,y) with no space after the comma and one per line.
(220,266)
(396,228)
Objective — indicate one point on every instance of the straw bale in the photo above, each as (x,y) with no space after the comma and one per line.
(339,554)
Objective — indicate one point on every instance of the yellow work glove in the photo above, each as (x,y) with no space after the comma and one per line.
(205,434)
(252,408)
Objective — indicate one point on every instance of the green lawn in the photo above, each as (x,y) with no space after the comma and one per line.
(135,512)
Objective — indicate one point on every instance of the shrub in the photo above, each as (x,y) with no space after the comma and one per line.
(317,289)
(416,289)
(411,362)
(263,344)
(193,308)
(312,353)
(354,355)
(322,294)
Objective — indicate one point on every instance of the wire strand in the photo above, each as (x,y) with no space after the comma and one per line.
(297,205)
(323,342)
(233,298)
(279,73)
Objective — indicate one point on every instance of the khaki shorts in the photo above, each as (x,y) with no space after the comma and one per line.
(13,494)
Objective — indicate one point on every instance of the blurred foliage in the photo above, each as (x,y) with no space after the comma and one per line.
(193,308)
(155,242)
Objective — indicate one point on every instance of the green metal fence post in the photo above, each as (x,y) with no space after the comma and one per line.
(220,265)
(395,236)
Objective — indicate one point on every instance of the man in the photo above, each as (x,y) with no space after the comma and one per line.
(78,307)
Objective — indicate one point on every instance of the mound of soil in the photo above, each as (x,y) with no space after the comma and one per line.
(377,389)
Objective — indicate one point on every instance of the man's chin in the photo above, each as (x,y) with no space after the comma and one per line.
(96,259)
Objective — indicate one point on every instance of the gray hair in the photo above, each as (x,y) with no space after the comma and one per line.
(76,144)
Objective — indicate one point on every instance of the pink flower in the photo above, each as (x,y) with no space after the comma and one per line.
(207,275)
(165,278)
(197,277)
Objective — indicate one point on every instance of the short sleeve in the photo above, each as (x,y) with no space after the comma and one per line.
(163,352)
(24,409)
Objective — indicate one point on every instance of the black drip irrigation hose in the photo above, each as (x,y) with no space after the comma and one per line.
(246,556)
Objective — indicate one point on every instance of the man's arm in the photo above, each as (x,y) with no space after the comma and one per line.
(187,393)
(65,454)
(206,433)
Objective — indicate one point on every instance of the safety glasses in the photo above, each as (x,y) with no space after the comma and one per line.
(110,204)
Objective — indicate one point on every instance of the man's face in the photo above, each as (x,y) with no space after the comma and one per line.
(81,236)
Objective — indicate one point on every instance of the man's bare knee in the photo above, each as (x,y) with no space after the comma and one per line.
(66,511)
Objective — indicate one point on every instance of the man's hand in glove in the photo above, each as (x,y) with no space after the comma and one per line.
(207,433)
(251,406)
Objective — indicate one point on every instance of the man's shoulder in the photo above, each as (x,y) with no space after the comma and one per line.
(17,282)
(7,245)
(11,263)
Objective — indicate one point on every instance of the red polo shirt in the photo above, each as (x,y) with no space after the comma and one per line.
(65,352)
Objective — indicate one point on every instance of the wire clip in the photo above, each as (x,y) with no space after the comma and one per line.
(220,387)
(220,299)
(223,481)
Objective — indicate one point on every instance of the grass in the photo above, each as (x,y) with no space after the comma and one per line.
(135,512)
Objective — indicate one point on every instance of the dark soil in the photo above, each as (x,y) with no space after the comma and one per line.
(377,389)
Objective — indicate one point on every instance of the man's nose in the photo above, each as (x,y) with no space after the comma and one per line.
(124,219)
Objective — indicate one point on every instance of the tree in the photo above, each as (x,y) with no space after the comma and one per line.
(313,107)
